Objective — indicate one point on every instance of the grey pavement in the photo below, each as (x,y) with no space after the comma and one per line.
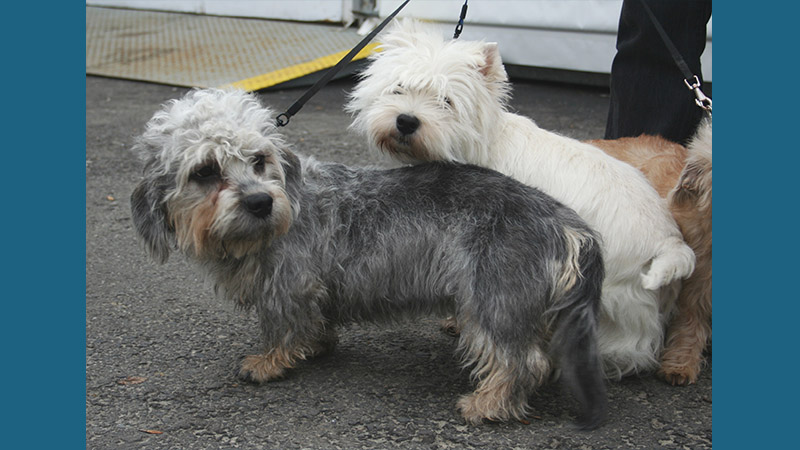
(162,351)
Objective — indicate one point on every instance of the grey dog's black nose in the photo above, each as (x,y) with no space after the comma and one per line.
(259,205)
(407,124)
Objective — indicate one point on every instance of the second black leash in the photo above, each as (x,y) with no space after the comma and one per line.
(284,118)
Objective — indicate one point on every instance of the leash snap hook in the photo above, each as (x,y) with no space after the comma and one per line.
(702,100)
(282,120)
(459,28)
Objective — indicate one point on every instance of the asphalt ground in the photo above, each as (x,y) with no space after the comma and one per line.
(162,351)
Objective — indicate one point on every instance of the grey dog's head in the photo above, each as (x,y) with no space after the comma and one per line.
(215,177)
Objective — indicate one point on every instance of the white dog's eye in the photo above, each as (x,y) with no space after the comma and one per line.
(398,90)
(448,102)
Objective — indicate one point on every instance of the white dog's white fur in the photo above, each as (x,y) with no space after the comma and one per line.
(455,92)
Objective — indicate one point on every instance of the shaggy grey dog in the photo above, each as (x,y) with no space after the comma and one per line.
(312,245)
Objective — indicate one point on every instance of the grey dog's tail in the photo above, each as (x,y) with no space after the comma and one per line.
(574,341)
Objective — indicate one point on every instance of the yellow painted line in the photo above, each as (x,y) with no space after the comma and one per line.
(290,73)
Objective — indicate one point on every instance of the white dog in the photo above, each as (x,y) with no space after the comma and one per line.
(423,98)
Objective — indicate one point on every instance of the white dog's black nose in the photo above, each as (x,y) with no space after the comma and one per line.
(407,124)
(259,205)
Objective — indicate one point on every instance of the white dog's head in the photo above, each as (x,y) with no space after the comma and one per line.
(215,177)
(423,98)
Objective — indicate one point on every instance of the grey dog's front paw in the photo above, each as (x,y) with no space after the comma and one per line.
(262,368)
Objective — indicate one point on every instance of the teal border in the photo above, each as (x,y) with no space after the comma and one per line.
(44,225)
(755,315)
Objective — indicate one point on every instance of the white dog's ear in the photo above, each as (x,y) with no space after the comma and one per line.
(492,69)
(150,218)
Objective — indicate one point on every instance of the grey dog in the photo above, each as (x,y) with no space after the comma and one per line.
(312,245)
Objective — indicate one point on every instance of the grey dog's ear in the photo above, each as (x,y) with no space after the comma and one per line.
(150,218)
(291,167)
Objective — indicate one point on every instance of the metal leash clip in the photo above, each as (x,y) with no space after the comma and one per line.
(282,120)
(701,100)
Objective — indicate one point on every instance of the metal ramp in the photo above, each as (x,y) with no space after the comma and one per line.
(193,50)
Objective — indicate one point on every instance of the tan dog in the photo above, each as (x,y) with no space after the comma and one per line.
(682,176)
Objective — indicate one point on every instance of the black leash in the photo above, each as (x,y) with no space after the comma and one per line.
(284,118)
(460,25)
(701,99)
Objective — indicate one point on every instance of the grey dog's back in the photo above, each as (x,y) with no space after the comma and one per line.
(456,196)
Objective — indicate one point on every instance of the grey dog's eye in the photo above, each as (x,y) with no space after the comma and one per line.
(259,163)
(205,173)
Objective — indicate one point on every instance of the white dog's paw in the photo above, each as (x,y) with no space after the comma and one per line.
(653,281)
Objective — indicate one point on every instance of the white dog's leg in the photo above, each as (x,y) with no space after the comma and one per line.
(675,260)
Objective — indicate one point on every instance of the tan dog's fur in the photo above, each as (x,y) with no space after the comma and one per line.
(687,188)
